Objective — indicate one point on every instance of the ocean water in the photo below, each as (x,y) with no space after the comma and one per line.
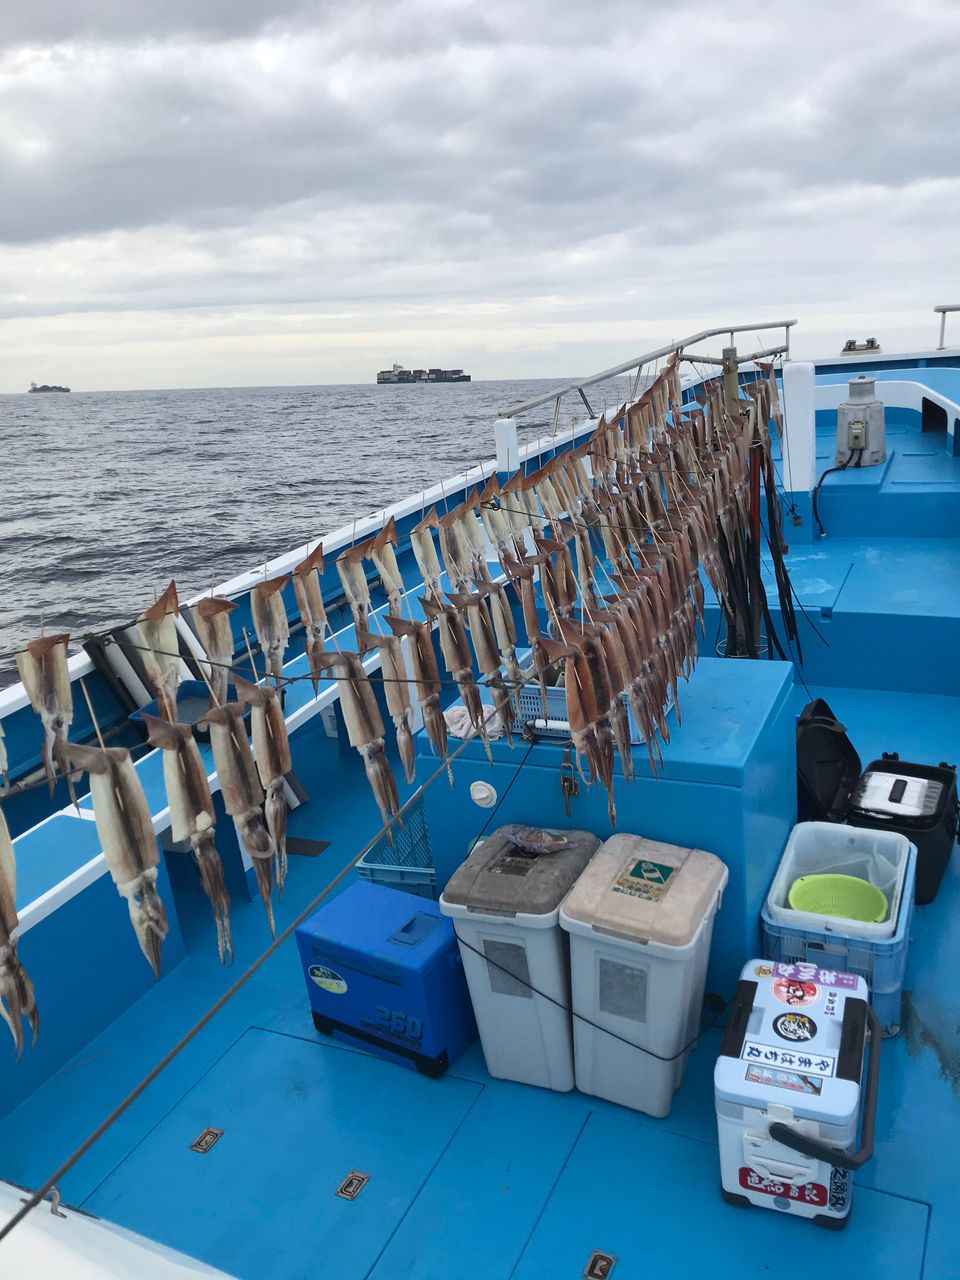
(106,496)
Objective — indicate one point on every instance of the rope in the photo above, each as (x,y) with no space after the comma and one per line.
(580,1017)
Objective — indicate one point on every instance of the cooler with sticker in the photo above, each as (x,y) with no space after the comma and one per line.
(640,921)
(795,1084)
(505,904)
(383,972)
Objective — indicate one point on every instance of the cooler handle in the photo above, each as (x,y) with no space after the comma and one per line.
(820,1151)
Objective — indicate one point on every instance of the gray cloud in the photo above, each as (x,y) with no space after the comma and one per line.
(549,158)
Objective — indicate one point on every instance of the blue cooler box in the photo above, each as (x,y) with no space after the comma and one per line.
(383,971)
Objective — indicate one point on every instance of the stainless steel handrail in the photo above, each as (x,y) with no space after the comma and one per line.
(947,306)
(639,361)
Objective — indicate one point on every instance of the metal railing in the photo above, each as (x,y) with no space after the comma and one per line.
(947,306)
(639,361)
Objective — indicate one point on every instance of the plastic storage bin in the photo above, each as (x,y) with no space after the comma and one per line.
(383,971)
(790,1087)
(815,848)
(640,920)
(407,862)
(505,906)
(882,962)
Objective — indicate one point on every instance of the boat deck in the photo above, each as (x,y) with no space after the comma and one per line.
(472,1177)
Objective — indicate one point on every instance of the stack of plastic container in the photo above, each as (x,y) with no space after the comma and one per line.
(640,920)
(876,950)
(505,905)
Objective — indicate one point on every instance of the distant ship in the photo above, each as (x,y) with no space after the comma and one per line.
(44,387)
(399,374)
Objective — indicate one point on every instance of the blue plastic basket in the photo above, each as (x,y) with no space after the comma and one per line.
(407,863)
(882,962)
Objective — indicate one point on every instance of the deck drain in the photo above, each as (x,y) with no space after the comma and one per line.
(207,1139)
(600,1265)
(352,1185)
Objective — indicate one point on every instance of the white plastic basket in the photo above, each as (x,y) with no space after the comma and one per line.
(528,706)
(818,848)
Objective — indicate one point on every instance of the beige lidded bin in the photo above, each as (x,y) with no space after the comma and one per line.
(640,919)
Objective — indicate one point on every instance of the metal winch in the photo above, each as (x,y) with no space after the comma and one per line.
(861,429)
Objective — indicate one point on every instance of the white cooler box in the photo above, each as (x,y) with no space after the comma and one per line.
(640,920)
(505,906)
(789,1088)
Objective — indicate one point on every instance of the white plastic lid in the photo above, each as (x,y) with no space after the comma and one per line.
(646,891)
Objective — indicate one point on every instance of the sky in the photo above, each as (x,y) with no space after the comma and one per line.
(242,192)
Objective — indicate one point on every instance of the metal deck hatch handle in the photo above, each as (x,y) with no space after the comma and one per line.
(818,1150)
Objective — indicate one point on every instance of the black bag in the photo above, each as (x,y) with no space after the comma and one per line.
(832,786)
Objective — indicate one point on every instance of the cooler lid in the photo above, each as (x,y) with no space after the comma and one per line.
(795,1037)
(502,878)
(646,891)
(374,920)
(828,766)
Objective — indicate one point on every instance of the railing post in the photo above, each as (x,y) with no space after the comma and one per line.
(731,381)
(508,448)
(943,329)
(799,444)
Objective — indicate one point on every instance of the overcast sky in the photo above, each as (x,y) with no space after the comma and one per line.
(212,192)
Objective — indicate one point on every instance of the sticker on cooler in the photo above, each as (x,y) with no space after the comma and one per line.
(794,993)
(798,1028)
(806,1193)
(792,1080)
(647,880)
(821,1064)
(328,979)
(805,972)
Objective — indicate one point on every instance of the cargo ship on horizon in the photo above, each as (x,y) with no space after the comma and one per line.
(399,374)
(45,387)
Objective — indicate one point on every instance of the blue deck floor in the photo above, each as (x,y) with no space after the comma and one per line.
(470,1176)
(473,1178)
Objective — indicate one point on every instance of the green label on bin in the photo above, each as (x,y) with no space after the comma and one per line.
(648,880)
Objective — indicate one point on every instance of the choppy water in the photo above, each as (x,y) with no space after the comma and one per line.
(105,496)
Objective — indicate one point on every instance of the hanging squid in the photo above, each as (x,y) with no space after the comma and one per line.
(456,658)
(385,559)
(365,731)
(43,670)
(396,688)
(192,816)
(474,609)
(271,747)
(242,793)
(125,828)
(270,621)
(426,676)
(357,590)
(425,554)
(17,999)
(588,705)
(161,655)
(313,614)
(212,616)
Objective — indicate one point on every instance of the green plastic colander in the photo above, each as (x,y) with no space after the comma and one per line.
(848,897)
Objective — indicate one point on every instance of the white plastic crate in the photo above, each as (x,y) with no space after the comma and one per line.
(819,848)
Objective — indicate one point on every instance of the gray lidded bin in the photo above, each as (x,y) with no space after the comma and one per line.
(505,906)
